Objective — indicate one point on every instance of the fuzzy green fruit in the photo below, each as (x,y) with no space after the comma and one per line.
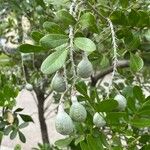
(58,83)
(98,120)
(64,124)
(78,112)
(29,87)
(84,68)
(122,102)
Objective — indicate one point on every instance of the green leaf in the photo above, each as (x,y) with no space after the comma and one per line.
(138,93)
(84,146)
(145,147)
(2,124)
(131,104)
(103,139)
(144,18)
(23,125)
(52,27)
(63,46)
(132,42)
(144,112)
(140,123)
(65,17)
(145,109)
(81,88)
(127,91)
(54,61)
(18,110)
(36,36)
(85,44)
(114,117)
(124,3)
(79,139)
(13,134)
(94,143)
(53,40)
(22,137)
(136,63)
(7,130)
(26,118)
(64,142)
(144,138)
(28,48)
(147,103)
(88,21)
(106,105)
(133,18)
(41,3)
(119,18)
(104,62)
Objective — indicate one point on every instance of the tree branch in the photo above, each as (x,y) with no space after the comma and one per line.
(120,64)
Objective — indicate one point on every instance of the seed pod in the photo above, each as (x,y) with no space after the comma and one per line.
(122,102)
(77,111)
(84,68)
(63,123)
(58,83)
(9,117)
(98,120)
(29,87)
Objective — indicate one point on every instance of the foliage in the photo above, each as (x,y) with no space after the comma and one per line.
(113,34)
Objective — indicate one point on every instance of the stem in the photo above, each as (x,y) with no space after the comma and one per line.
(65,76)
(115,60)
(73,10)
(23,68)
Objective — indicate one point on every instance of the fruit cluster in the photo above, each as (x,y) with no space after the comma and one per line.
(64,122)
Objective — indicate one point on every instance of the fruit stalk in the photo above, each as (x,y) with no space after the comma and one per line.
(71,37)
(115,59)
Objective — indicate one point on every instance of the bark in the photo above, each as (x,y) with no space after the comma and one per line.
(121,64)
(42,120)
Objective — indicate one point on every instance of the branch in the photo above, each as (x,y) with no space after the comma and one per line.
(120,64)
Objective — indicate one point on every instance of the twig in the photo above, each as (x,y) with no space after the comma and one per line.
(65,76)
(23,68)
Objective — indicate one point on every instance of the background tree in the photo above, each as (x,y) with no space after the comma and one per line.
(114,34)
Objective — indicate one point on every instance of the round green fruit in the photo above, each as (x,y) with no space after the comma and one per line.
(122,102)
(98,120)
(58,83)
(84,68)
(78,112)
(64,124)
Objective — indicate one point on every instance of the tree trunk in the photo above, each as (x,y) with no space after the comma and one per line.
(43,127)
